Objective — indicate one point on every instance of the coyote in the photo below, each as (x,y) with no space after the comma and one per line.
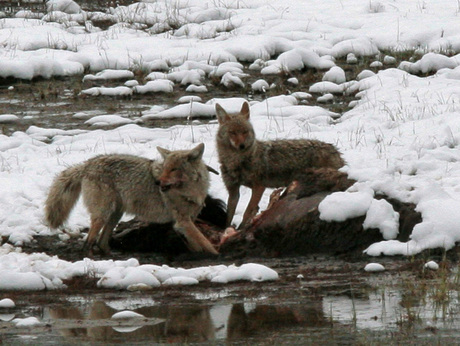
(256,164)
(172,190)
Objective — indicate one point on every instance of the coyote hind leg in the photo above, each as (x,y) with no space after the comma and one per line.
(106,233)
(104,205)
(96,225)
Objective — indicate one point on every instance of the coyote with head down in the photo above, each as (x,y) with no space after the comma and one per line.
(111,185)
(258,164)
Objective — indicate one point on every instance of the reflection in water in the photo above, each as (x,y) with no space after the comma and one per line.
(270,317)
(71,313)
(189,323)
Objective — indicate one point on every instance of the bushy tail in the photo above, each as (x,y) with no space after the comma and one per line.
(63,195)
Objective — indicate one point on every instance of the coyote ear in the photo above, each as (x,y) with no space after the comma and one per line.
(222,115)
(196,153)
(245,110)
(164,152)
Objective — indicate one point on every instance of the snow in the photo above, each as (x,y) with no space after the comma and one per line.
(8,118)
(351,58)
(66,6)
(326,87)
(155,86)
(374,267)
(260,85)
(431,62)
(189,99)
(325,98)
(432,265)
(389,60)
(7,317)
(180,280)
(20,271)
(182,111)
(293,80)
(297,59)
(109,74)
(250,271)
(123,315)
(108,119)
(229,80)
(365,74)
(341,206)
(104,91)
(401,137)
(26,322)
(376,64)
(381,215)
(7,303)
(196,88)
(125,277)
(335,75)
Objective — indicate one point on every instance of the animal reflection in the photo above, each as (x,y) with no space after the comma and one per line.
(187,323)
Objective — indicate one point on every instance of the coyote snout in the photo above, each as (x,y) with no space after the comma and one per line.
(168,182)
(165,187)
(240,139)
(112,185)
(256,164)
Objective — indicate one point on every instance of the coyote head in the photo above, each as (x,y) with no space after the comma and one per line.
(180,166)
(235,129)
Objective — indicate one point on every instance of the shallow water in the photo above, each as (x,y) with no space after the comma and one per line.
(335,303)
(57,104)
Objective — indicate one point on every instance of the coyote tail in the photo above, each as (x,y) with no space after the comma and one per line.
(63,195)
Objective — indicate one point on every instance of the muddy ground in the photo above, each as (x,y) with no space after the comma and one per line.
(318,298)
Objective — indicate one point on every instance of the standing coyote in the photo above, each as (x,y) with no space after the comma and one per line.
(111,185)
(256,164)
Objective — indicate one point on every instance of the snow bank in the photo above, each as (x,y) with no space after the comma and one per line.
(20,271)
(65,42)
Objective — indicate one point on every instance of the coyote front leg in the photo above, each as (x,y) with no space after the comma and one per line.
(253,205)
(233,198)
(196,241)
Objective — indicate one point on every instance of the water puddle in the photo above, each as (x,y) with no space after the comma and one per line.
(91,320)
(377,310)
